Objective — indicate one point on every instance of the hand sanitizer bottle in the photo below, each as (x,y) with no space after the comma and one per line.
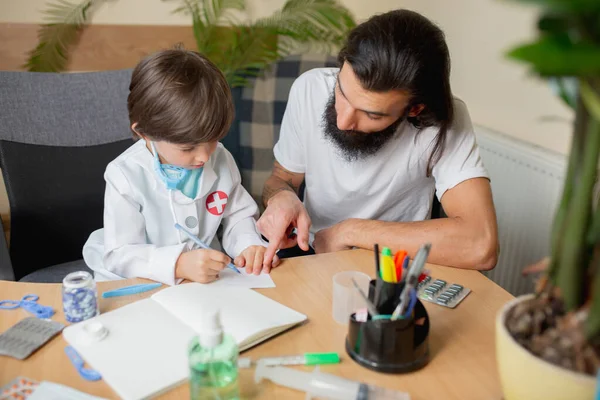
(213,362)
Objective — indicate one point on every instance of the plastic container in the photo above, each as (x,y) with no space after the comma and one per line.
(385,345)
(346,299)
(80,296)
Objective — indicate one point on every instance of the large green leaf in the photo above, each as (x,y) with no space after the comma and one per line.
(553,56)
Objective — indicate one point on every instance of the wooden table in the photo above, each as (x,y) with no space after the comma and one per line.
(462,366)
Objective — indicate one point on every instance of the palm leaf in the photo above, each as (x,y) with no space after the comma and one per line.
(250,50)
(207,16)
(311,20)
(63,25)
(308,24)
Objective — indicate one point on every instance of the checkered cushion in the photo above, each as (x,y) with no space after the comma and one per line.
(259,111)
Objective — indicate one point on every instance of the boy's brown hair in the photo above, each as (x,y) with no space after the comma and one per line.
(181,97)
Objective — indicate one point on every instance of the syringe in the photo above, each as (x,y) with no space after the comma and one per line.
(325,386)
(304,359)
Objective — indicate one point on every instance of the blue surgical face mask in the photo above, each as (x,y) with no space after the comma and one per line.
(177,178)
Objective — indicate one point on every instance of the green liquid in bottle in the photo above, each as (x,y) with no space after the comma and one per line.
(214,370)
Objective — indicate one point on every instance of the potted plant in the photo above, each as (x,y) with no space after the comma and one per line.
(240,50)
(548,343)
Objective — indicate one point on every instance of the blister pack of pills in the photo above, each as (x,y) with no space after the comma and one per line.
(26,336)
(441,292)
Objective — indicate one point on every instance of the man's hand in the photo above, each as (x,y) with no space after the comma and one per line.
(200,265)
(252,259)
(284,212)
(334,238)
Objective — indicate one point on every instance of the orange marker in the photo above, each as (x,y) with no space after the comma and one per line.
(398,261)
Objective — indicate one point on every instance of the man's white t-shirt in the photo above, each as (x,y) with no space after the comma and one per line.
(391,185)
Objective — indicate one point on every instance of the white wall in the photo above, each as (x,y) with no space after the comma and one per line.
(499,93)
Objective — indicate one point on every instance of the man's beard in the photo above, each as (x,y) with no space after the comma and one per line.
(354,145)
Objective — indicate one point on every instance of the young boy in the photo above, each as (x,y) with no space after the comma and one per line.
(179,106)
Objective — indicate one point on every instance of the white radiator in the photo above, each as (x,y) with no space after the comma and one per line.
(526,184)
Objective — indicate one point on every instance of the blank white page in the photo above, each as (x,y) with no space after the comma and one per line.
(245,314)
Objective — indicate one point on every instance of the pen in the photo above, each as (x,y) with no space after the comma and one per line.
(377,276)
(377,266)
(370,305)
(134,289)
(201,244)
(411,305)
(412,279)
(304,359)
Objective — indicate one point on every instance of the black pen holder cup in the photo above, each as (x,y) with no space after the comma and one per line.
(385,345)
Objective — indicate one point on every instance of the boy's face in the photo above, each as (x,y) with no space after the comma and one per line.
(181,155)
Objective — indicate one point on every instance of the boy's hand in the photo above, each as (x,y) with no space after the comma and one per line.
(252,259)
(200,265)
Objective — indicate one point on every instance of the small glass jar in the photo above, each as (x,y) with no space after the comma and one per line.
(80,297)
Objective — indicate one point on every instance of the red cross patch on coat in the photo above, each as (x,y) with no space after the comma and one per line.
(215,202)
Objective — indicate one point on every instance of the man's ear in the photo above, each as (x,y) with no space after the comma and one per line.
(416,110)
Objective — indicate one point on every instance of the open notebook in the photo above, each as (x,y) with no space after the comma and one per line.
(145,351)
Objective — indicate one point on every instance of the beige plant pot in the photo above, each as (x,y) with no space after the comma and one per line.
(524,376)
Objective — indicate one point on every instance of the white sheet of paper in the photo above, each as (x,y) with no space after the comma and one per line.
(229,278)
(53,391)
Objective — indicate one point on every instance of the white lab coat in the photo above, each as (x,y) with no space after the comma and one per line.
(139,238)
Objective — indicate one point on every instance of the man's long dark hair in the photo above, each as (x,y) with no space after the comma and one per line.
(402,50)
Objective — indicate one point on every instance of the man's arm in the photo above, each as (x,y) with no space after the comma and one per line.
(468,238)
(281,179)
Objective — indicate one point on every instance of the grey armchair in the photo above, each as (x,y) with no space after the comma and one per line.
(57,134)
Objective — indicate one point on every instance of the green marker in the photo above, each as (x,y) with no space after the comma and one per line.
(305,359)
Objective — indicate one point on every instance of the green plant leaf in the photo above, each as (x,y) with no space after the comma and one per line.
(553,56)
(64,21)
